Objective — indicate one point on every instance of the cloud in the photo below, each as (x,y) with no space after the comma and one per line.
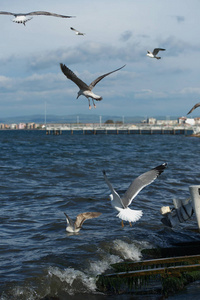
(88,52)
(190,90)
(180,19)
(149,94)
(126,35)
(175,46)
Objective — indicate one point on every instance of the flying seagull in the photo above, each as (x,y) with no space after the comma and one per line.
(85,90)
(121,204)
(193,108)
(154,53)
(76,226)
(77,32)
(23,18)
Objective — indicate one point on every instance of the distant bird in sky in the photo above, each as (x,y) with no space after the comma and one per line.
(23,18)
(85,90)
(121,204)
(77,32)
(76,226)
(154,53)
(193,108)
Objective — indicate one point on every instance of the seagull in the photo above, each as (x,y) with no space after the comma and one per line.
(121,204)
(85,90)
(77,32)
(76,226)
(193,108)
(154,53)
(23,18)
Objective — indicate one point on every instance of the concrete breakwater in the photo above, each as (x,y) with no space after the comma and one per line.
(58,129)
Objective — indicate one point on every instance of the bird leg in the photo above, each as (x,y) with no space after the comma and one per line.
(122,224)
(93,103)
(130,224)
(89,103)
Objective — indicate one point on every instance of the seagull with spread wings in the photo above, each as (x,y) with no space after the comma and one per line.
(76,31)
(121,204)
(85,90)
(76,226)
(193,108)
(23,18)
(154,53)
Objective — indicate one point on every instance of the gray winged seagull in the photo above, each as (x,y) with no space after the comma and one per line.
(154,53)
(76,226)
(193,108)
(23,18)
(76,31)
(85,90)
(121,204)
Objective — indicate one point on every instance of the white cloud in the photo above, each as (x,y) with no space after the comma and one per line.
(190,90)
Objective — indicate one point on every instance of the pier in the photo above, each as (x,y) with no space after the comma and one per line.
(95,128)
(162,273)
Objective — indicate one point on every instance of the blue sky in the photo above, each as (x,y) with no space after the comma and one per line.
(118,32)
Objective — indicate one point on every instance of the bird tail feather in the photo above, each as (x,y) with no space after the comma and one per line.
(130,215)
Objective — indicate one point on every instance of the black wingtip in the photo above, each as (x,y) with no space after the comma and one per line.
(62,66)
(161,168)
(104,172)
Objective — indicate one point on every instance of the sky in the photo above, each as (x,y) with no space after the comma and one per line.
(117,32)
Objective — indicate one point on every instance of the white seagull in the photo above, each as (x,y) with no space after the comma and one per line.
(85,90)
(193,108)
(121,204)
(23,18)
(154,53)
(76,226)
(77,32)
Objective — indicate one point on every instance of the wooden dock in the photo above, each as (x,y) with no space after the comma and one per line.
(164,276)
(94,129)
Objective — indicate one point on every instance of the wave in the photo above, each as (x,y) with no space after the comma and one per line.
(57,281)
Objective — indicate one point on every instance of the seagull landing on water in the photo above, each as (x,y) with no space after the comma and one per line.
(77,32)
(193,108)
(121,204)
(154,53)
(76,226)
(85,90)
(23,18)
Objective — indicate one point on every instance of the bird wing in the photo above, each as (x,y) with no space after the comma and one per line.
(193,108)
(70,75)
(46,13)
(69,220)
(85,216)
(116,196)
(140,182)
(93,83)
(156,50)
(7,13)
(74,29)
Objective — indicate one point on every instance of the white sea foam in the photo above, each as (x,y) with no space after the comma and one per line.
(100,266)
(74,280)
(127,251)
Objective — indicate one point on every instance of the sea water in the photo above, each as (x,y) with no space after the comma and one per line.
(42,176)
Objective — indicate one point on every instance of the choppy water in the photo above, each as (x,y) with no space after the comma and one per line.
(44,176)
